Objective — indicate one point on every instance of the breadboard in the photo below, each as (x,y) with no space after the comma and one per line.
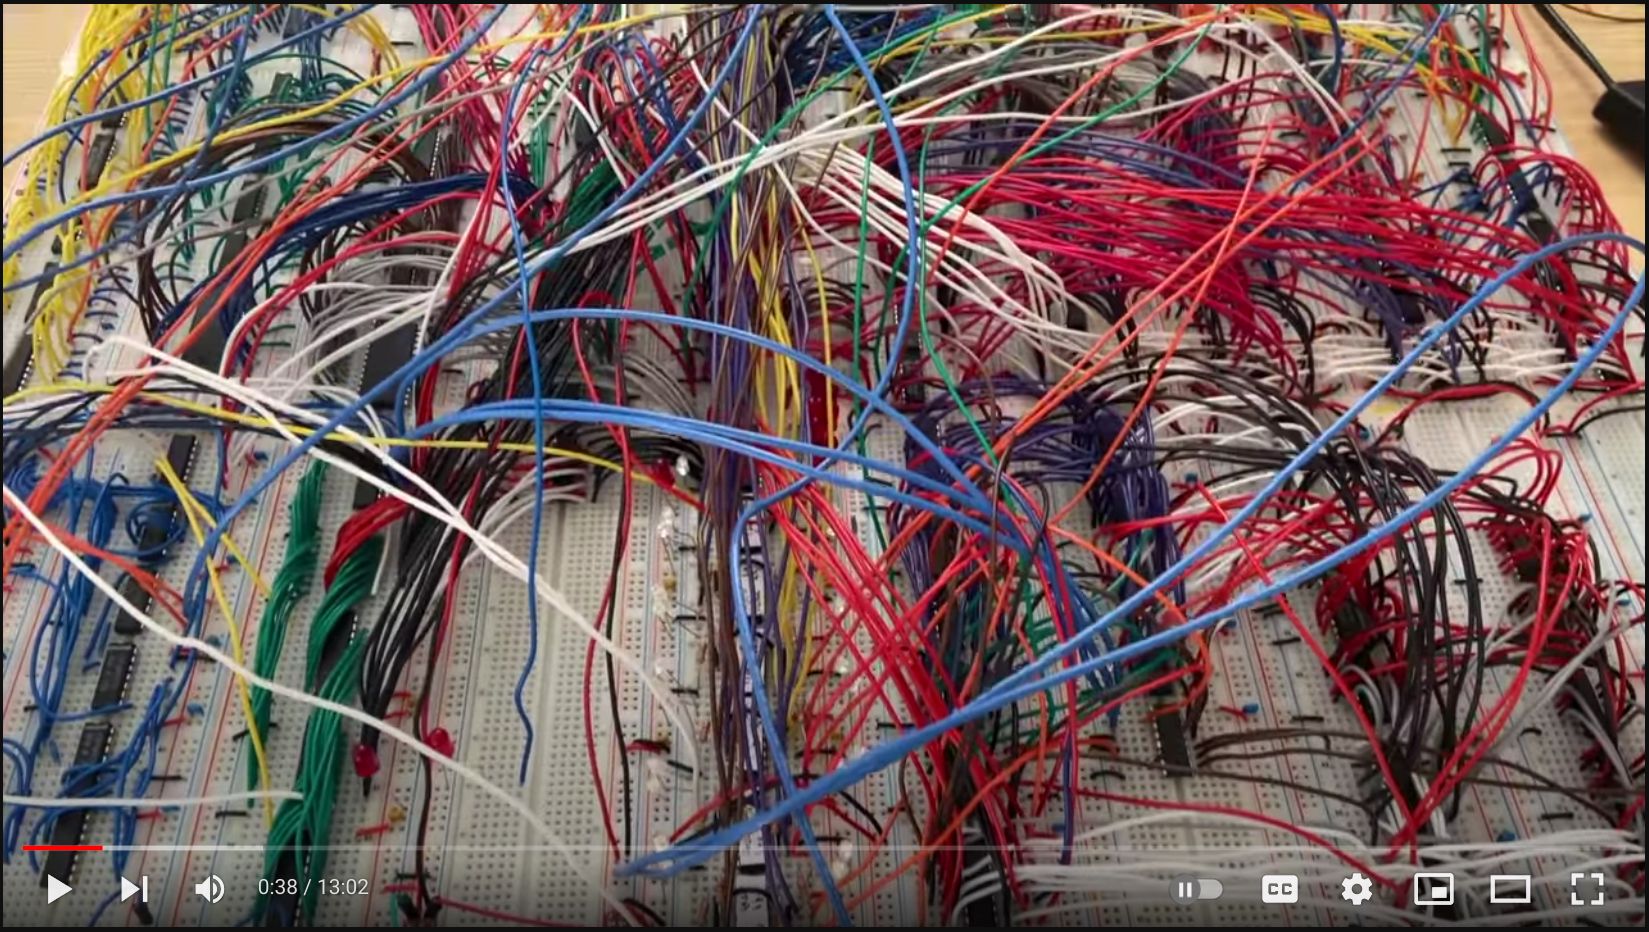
(480,851)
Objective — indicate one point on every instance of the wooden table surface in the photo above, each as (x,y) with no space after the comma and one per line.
(36,36)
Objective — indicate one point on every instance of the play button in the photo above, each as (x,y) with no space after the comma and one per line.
(128,889)
(55,889)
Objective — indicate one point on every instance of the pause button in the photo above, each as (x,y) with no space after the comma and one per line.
(1190,889)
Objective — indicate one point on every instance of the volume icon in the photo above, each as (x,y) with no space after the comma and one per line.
(210,889)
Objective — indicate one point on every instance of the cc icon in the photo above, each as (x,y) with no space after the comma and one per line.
(1280,888)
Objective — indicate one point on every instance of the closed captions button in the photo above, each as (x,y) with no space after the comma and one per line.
(1280,888)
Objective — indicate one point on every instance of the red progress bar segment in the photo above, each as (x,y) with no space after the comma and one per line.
(62,847)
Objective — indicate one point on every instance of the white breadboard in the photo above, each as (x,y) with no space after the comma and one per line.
(481,852)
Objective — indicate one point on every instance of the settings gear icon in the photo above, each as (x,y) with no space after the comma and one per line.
(1357,889)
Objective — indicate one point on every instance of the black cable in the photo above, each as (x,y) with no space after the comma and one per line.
(1576,44)
(620,533)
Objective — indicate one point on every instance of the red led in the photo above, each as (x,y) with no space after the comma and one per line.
(440,741)
(661,474)
(366,761)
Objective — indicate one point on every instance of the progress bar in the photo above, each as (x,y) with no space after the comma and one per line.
(261,849)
